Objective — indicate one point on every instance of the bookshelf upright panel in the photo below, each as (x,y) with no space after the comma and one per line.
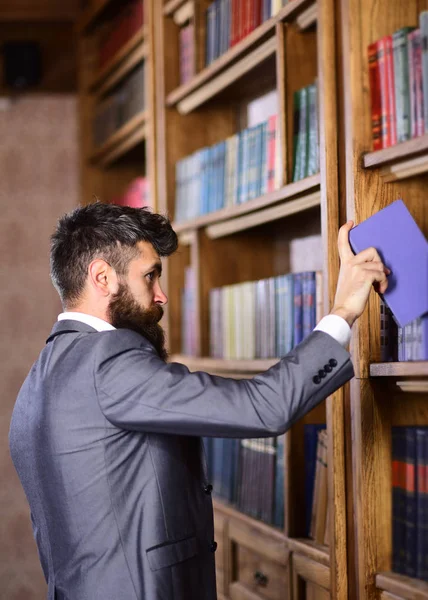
(377,403)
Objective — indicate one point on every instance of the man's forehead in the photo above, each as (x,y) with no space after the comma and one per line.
(147,252)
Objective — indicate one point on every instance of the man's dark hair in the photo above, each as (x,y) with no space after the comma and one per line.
(104,231)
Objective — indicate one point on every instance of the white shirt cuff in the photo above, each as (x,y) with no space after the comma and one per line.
(337,327)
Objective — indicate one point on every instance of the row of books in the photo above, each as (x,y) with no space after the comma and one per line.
(305,133)
(250,474)
(398,71)
(117,109)
(410,501)
(409,343)
(230,21)
(136,195)
(118,31)
(245,166)
(265,318)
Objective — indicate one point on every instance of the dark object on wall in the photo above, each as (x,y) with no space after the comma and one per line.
(22,64)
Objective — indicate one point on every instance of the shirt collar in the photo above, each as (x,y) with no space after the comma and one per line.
(95,322)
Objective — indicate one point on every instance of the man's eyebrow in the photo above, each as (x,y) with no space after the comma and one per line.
(157,266)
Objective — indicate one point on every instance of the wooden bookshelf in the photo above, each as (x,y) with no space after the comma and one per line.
(287,192)
(119,137)
(129,152)
(408,159)
(216,365)
(203,81)
(381,395)
(399,369)
(133,47)
(251,241)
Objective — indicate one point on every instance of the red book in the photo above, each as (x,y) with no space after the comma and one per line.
(124,27)
(415,79)
(243,19)
(234,37)
(257,12)
(392,116)
(375,94)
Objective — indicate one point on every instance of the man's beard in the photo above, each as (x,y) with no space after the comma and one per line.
(125,313)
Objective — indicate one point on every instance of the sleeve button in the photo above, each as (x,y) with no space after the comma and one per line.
(328,369)
(332,362)
(316,379)
(322,373)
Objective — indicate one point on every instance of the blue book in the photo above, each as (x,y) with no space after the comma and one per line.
(420,468)
(298,309)
(404,249)
(310,449)
(278,511)
(398,499)
(411,504)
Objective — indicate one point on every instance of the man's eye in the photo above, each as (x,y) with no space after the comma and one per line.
(151,276)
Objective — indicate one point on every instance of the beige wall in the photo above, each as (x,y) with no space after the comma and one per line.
(38,182)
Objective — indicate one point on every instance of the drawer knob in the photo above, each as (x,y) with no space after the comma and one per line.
(260,578)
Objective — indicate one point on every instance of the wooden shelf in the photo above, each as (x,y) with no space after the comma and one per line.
(308,17)
(266,215)
(92,14)
(233,367)
(235,54)
(404,587)
(231,511)
(310,549)
(173,5)
(124,53)
(120,138)
(402,160)
(226,78)
(287,192)
(399,369)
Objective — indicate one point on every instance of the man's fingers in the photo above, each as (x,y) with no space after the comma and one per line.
(345,250)
(378,277)
(367,255)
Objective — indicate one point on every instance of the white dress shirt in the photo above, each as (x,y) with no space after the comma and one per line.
(334,325)
(95,322)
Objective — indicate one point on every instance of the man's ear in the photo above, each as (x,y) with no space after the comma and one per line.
(103,278)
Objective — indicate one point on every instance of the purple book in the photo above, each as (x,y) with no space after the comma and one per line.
(404,249)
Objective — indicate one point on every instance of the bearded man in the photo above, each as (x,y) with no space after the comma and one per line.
(106,434)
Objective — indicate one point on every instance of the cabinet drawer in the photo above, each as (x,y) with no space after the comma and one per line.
(260,575)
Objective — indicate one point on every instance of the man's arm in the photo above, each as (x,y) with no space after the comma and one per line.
(138,391)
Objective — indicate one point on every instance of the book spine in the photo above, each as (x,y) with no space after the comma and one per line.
(297,155)
(392,115)
(423,25)
(401,84)
(410,514)
(375,95)
(420,501)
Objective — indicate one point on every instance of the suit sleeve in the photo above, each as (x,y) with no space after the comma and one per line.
(138,391)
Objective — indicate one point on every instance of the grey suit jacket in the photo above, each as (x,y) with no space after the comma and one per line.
(105,438)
